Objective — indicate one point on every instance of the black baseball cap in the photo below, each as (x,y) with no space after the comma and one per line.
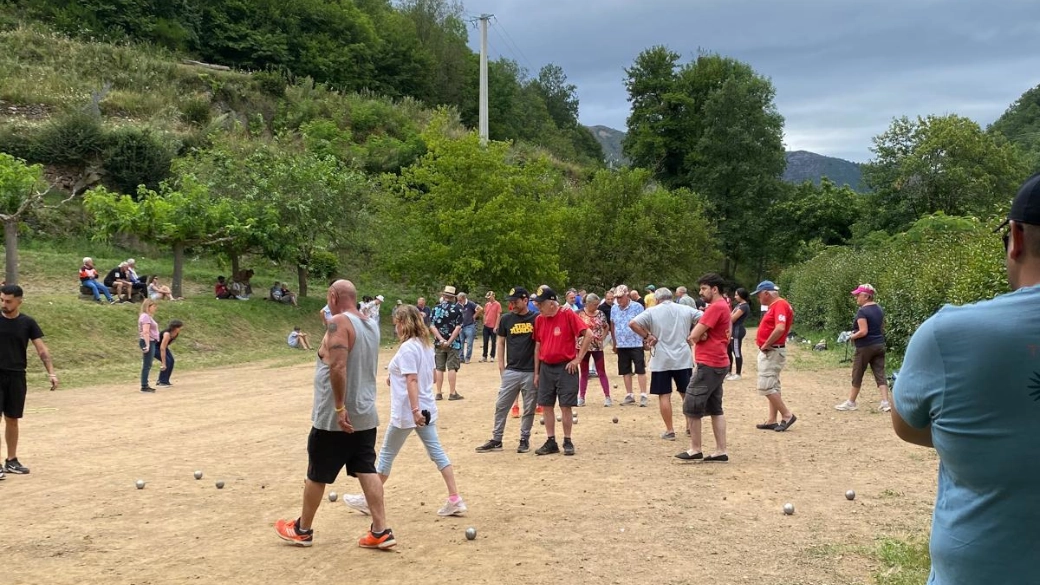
(1026,206)
(545,294)
(517,293)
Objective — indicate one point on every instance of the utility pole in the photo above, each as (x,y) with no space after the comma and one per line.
(483,109)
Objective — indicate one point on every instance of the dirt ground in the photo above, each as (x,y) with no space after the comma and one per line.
(623,510)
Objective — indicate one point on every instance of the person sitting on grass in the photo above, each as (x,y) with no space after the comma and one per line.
(298,339)
(160,292)
(164,354)
(220,290)
(88,277)
(282,295)
(119,279)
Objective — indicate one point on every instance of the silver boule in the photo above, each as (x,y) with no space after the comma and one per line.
(850,495)
(140,484)
(220,485)
(333,496)
(788,509)
(471,533)
(198,475)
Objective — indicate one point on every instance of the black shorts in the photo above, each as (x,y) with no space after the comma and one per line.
(661,382)
(631,358)
(554,381)
(704,395)
(12,394)
(329,451)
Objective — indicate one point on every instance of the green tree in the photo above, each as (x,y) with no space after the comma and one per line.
(560,96)
(184,213)
(710,126)
(809,217)
(464,214)
(622,228)
(939,164)
(21,192)
(1020,124)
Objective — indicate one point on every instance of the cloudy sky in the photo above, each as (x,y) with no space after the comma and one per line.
(842,69)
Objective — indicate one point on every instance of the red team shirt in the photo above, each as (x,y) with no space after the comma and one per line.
(712,351)
(556,335)
(779,312)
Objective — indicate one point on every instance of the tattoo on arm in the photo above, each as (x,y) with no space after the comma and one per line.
(332,327)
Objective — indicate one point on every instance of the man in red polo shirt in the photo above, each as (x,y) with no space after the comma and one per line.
(704,394)
(772,346)
(556,336)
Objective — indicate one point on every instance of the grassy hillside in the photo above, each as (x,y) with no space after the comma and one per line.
(94,344)
(808,166)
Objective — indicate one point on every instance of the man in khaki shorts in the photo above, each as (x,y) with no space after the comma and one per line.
(772,346)
(446,325)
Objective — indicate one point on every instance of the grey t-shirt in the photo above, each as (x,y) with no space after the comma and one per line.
(361,382)
(671,324)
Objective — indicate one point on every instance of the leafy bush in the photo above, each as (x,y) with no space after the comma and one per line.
(324,138)
(18,141)
(271,83)
(940,260)
(196,112)
(136,156)
(75,138)
(323,265)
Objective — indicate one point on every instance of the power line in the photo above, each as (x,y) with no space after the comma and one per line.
(510,42)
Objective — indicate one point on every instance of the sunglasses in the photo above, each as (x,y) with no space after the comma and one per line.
(1006,238)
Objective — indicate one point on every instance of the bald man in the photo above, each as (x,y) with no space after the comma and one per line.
(343,419)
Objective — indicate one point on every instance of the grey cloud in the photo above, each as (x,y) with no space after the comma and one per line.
(842,69)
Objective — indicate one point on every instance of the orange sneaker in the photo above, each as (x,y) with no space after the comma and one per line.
(515,412)
(370,540)
(288,532)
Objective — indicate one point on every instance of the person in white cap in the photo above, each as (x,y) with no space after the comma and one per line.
(868,332)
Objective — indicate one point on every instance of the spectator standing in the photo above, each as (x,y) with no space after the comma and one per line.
(772,354)
(165,355)
(650,299)
(148,341)
(736,346)
(492,313)
(516,355)
(599,329)
(557,332)
(704,395)
(371,307)
(627,344)
(665,328)
(421,305)
(682,297)
(969,389)
(446,325)
(17,331)
(470,313)
(88,277)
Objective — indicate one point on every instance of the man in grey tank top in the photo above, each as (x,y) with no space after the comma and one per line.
(343,419)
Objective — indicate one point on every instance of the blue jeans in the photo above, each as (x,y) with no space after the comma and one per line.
(96,287)
(164,375)
(468,335)
(394,438)
(148,356)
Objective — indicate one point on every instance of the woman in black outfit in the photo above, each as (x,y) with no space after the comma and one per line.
(737,317)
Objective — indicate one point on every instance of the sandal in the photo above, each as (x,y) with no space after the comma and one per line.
(767,426)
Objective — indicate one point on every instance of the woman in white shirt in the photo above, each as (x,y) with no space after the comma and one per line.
(412,407)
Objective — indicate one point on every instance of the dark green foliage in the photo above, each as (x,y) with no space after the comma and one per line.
(18,141)
(272,83)
(75,138)
(196,112)
(1020,124)
(136,156)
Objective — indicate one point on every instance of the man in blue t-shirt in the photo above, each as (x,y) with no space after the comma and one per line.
(970,388)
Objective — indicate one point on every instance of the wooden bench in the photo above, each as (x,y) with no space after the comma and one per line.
(87,294)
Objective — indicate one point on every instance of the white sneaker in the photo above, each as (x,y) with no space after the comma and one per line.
(732,377)
(847,405)
(452,509)
(885,406)
(643,400)
(357,502)
(581,402)
(608,402)
(629,399)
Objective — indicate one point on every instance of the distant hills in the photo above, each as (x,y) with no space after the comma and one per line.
(801,165)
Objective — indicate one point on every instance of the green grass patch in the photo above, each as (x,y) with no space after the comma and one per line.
(903,562)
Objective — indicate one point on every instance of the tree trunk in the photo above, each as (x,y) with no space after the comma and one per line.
(178,270)
(301,272)
(11,251)
(234,263)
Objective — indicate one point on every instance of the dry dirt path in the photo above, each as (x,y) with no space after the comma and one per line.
(623,510)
